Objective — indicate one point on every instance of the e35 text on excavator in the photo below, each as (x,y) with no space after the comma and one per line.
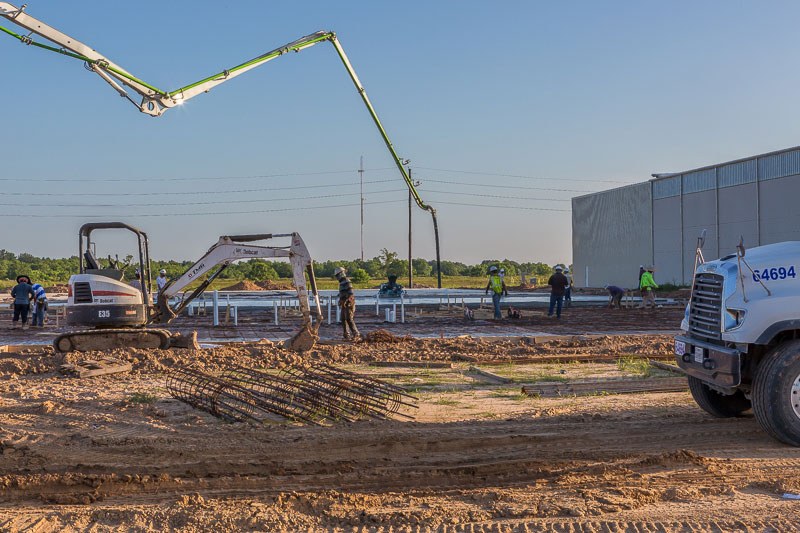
(115,313)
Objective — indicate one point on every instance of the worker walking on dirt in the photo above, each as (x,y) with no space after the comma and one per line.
(648,287)
(615,295)
(498,288)
(39,306)
(22,294)
(558,285)
(347,303)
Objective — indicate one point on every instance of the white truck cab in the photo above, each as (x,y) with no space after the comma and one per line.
(741,340)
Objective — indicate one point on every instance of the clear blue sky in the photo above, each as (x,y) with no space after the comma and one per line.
(559,92)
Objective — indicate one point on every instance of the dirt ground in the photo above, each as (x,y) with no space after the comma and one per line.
(118,453)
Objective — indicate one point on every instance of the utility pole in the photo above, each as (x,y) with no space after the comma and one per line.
(361,180)
(410,266)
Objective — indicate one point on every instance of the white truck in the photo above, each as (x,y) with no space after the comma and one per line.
(741,340)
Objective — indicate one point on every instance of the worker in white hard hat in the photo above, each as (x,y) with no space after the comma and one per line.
(558,285)
(498,288)
(161,280)
(347,303)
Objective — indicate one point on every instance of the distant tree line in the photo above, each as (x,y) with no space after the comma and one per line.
(45,269)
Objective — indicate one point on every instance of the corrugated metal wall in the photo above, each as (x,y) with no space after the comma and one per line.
(658,222)
(611,236)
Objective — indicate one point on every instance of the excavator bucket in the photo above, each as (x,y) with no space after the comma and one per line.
(304,340)
(189,341)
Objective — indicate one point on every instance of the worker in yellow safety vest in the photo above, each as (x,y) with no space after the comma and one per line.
(498,287)
(648,286)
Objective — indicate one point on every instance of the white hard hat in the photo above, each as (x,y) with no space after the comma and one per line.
(492,268)
(338,271)
(502,270)
(566,270)
(559,267)
(162,271)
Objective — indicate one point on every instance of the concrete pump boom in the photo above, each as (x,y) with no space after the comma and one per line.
(156,102)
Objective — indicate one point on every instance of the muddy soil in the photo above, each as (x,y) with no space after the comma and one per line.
(117,453)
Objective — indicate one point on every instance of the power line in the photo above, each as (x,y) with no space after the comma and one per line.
(137,215)
(506,207)
(172,204)
(140,180)
(495,186)
(525,177)
(490,196)
(160,193)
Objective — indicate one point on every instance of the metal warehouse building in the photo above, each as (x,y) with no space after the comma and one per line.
(658,222)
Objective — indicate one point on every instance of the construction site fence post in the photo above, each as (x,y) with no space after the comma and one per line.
(216,308)
(275,310)
(338,314)
(330,303)
(377,305)
(402,309)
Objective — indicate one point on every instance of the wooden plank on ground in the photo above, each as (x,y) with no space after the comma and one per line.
(91,368)
(488,375)
(619,386)
(412,364)
(669,368)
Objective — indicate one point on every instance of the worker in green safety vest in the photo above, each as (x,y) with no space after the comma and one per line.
(648,286)
(498,288)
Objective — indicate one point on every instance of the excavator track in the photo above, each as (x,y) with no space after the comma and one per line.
(109,339)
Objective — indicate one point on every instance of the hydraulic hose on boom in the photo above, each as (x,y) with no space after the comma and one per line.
(156,101)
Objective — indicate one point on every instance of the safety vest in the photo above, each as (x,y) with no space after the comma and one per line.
(497,284)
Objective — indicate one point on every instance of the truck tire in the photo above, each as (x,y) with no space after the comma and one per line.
(715,403)
(776,393)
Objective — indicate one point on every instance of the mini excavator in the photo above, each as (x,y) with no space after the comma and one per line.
(120,314)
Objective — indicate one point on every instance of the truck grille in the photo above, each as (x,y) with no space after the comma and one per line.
(705,307)
(82,292)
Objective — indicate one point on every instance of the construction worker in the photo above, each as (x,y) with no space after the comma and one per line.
(136,282)
(22,294)
(648,287)
(161,280)
(615,295)
(347,303)
(568,289)
(39,307)
(498,287)
(558,285)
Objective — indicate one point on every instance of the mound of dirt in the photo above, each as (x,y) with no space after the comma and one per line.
(244,285)
(57,289)
(381,335)
(269,285)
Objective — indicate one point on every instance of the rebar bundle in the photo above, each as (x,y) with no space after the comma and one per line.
(297,393)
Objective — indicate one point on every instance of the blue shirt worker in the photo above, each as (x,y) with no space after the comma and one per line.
(22,294)
(498,288)
(615,295)
(39,307)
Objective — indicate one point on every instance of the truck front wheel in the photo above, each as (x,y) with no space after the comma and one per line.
(776,393)
(715,403)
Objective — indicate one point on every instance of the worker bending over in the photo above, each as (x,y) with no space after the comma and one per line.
(615,295)
(347,303)
(498,288)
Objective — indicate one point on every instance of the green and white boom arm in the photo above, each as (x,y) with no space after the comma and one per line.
(156,101)
(230,248)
